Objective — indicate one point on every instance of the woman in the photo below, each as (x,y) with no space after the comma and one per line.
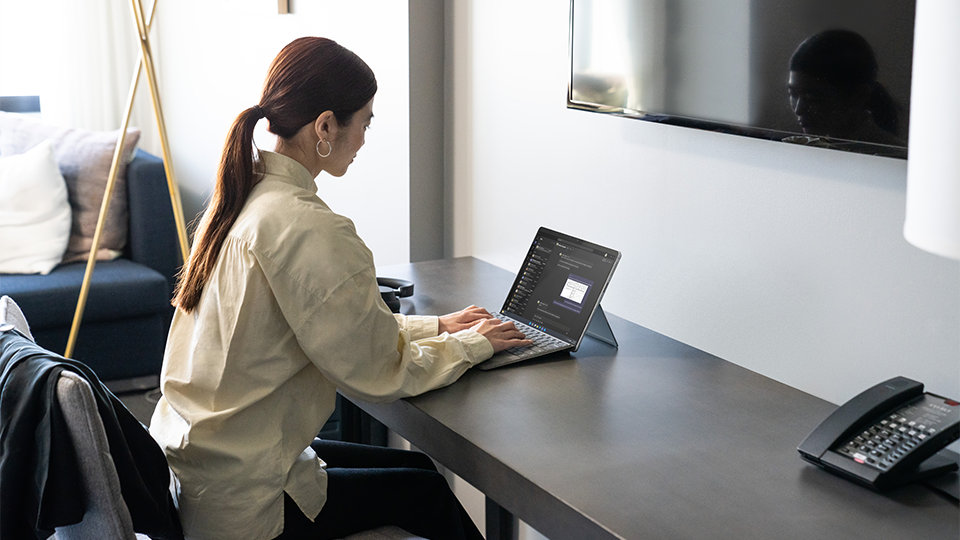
(278,307)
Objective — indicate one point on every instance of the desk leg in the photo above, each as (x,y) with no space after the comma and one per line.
(356,426)
(501,525)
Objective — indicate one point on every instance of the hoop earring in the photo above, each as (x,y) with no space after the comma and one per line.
(329,148)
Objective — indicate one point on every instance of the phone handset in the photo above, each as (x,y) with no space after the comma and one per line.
(885,435)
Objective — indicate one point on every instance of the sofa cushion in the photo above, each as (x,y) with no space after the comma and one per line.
(84,158)
(119,289)
(34,211)
(131,347)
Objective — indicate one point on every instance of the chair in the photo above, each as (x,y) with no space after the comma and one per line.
(106,515)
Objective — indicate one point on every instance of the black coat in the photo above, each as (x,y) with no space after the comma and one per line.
(40,486)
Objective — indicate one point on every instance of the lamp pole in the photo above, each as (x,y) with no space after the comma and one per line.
(144,63)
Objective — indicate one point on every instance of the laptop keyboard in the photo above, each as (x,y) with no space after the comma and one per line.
(542,341)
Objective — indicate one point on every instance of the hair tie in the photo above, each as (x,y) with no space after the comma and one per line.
(259,110)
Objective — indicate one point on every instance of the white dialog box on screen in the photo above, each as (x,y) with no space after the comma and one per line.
(574,290)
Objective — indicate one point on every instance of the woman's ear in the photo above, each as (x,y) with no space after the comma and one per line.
(326,126)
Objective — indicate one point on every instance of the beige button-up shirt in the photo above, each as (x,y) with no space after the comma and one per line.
(291,313)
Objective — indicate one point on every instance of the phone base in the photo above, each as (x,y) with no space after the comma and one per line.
(934,465)
(940,480)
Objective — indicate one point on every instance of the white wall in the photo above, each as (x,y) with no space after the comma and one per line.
(789,261)
(213,58)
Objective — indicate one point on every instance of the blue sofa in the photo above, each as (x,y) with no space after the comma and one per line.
(124,327)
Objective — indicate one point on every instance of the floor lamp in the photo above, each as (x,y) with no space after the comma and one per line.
(145,63)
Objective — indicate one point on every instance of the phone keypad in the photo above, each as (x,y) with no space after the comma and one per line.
(886,443)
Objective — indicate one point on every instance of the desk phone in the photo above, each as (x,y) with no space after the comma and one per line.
(886,436)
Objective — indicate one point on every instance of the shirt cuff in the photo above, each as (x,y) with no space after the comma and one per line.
(419,326)
(477,347)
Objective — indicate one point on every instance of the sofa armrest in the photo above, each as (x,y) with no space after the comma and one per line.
(152,239)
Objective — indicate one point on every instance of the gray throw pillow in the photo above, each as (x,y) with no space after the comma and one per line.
(84,159)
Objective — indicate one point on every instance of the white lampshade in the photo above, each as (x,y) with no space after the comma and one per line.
(933,168)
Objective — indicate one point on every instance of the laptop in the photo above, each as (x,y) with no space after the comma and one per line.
(555,295)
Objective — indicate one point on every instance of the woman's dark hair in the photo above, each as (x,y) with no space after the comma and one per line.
(309,76)
(846,60)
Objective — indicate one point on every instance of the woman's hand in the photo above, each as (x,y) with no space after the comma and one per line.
(502,335)
(463,319)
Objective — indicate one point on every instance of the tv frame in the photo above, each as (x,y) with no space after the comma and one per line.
(861,147)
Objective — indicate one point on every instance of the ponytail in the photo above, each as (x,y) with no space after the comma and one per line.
(236,177)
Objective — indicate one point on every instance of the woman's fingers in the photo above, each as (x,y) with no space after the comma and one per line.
(502,335)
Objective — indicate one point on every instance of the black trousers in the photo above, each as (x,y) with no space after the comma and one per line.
(370,487)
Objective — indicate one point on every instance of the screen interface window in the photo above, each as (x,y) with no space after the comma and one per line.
(559,284)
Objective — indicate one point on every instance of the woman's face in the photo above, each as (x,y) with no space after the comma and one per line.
(348,140)
(823,108)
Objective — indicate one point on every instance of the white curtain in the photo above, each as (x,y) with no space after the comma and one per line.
(90,60)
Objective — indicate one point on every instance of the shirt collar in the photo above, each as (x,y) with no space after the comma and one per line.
(286,169)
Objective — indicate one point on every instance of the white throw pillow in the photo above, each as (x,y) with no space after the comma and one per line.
(34,212)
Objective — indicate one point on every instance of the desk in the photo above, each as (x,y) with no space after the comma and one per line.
(654,440)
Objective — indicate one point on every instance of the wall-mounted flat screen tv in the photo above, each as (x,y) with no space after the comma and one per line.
(826,73)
